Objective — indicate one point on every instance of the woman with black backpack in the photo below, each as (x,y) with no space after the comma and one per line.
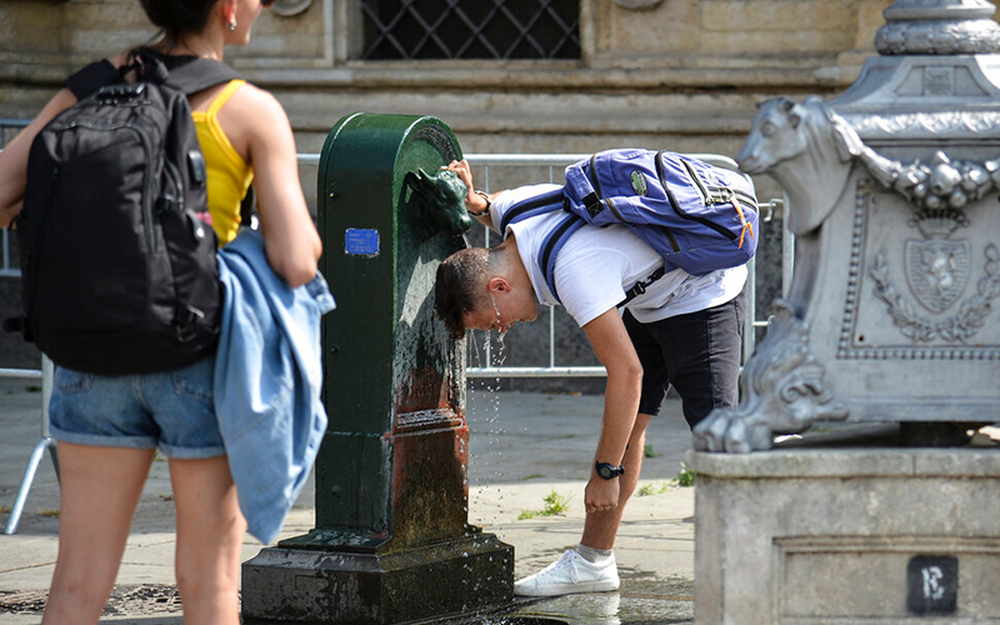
(108,427)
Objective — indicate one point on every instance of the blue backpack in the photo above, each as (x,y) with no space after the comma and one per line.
(698,217)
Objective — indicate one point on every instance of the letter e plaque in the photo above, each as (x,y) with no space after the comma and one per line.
(932,583)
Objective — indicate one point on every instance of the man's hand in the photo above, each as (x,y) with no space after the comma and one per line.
(600,495)
(475,204)
(464,172)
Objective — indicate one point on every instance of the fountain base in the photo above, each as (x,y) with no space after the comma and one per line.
(310,583)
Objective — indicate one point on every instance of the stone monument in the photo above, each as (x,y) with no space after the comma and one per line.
(893,201)
(890,327)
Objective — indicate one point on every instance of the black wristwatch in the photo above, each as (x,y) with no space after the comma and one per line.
(608,471)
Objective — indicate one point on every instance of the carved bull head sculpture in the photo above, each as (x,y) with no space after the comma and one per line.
(808,149)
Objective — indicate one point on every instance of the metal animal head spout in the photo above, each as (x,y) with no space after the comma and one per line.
(438,203)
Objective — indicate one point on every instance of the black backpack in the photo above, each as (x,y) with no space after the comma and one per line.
(119,273)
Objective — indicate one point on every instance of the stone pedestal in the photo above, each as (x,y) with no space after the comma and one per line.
(834,535)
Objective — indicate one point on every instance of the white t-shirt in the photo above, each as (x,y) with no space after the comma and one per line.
(596,266)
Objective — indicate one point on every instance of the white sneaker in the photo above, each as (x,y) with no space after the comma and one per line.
(571,573)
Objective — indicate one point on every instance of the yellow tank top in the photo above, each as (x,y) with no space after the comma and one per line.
(229,176)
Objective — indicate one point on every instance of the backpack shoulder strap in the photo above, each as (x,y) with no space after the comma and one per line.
(189,74)
(537,205)
(554,241)
(199,74)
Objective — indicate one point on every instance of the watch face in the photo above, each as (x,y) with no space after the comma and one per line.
(606,471)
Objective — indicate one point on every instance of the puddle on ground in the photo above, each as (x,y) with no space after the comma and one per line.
(647,603)
(518,620)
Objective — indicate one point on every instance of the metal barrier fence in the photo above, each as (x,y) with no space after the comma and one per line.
(8,129)
(555,164)
(492,167)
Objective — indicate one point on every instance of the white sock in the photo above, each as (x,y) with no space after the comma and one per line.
(594,556)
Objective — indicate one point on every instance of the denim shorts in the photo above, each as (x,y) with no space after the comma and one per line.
(697,353)
(172,411)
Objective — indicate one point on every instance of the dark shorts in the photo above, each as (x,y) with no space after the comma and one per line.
(697,353)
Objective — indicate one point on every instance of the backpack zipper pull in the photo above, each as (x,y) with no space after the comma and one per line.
(743,220)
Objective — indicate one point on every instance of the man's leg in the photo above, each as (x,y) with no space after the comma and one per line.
(592,567)
(600,528)
(704,354)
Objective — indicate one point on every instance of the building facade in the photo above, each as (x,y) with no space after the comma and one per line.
(526,76)
(508,76)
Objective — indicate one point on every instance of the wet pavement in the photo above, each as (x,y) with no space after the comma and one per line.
(524,448)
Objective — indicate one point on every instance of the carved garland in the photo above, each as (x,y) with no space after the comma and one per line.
(965,324)
(941,184)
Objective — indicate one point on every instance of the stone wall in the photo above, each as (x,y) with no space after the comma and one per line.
(683,72)
(676,74)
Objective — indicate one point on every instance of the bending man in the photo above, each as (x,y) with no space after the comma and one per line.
(684,331)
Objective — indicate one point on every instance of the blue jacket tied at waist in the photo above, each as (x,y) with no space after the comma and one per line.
(268,375)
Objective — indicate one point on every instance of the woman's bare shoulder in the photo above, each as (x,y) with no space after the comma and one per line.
(259,101)
(250,105)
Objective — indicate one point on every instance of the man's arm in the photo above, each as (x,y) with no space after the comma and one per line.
(611,344)
(475,204)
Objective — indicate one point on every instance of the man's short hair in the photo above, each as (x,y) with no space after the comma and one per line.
(459,288)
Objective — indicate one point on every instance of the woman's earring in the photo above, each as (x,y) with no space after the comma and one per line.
(232,25)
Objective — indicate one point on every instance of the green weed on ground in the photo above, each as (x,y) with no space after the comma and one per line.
(652,489)
(555,504)
(684,479)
